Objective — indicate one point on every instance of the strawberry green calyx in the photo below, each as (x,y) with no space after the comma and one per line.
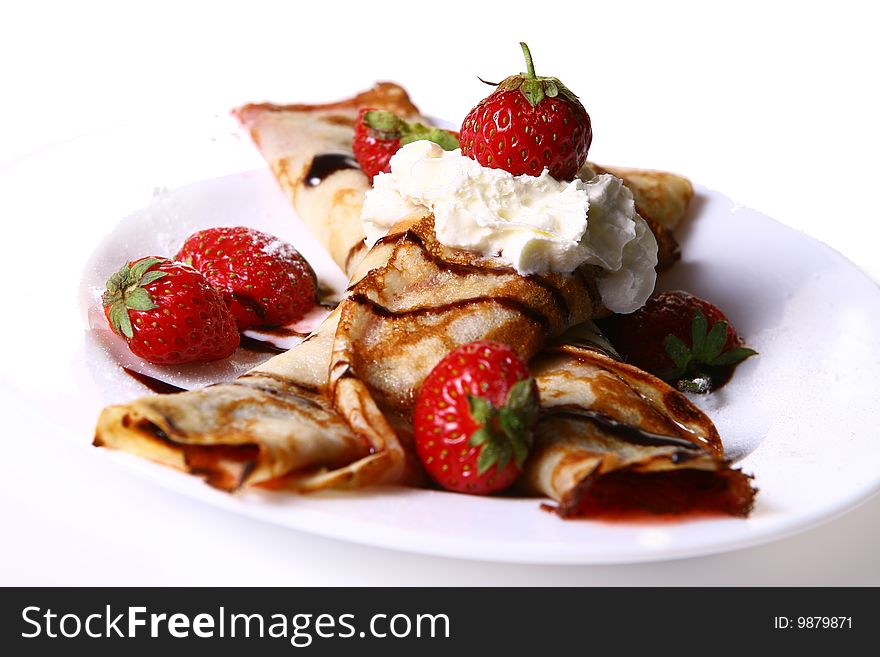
(534,87)
(706,353)
(125,291)
(387,125)
(504,432)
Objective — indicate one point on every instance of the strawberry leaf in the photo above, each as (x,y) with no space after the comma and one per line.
(699,329)
(139,299)
(139,268)
(480,436)
(714,343)
(487,458)
(152,276)
(520,452)
(504,454)
(510,423)
(698,365)
(521,398)
(481,410)
(518,416)
(120,321)
(677,351)
(117,281)
(504,433)
(416,132)
(124,291)
(734,356)
(386,125)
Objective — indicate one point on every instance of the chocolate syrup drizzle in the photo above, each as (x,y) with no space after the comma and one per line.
(506,302)
(467,268)
(626,432)
(325,165)
(259,346)
(154,384)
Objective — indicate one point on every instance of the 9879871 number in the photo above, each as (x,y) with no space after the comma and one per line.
(813,622)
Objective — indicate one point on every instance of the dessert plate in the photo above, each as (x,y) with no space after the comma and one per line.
(800,417)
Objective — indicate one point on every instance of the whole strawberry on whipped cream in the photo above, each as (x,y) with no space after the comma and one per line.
(537,224)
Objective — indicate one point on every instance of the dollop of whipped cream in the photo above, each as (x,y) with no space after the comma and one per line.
(535,223)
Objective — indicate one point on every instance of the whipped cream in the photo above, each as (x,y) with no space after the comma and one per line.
(535,223)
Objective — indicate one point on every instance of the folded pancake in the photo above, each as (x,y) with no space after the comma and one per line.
(272,422)
(308,148)
(614,441)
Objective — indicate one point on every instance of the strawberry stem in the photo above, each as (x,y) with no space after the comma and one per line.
(530,66)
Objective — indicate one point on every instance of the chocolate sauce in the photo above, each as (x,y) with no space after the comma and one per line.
(557,295)
(260,346)
(153,384)
(412,237)
(325,294)
(467,268)
(283,332)
(280,378)
(512,304)
(325,165)
(287,394)
(627,432)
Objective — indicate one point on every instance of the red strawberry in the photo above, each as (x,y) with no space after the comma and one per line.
(379,134)
(680,338)
(265,281)
(474,416)
(529,123)
(168,313)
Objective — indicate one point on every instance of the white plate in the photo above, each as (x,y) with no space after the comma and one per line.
(801,417)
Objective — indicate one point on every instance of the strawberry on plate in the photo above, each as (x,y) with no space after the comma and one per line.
(680,338)
(527,124)
(168,313)
(378,135)
(474,416)
(265,281)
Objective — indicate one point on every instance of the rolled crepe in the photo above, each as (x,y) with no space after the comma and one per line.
(613,440)
(274,421)
(308,148)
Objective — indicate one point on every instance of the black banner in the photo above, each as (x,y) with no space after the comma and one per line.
(419,621)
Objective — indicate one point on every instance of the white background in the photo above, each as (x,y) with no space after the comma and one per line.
(772,103)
